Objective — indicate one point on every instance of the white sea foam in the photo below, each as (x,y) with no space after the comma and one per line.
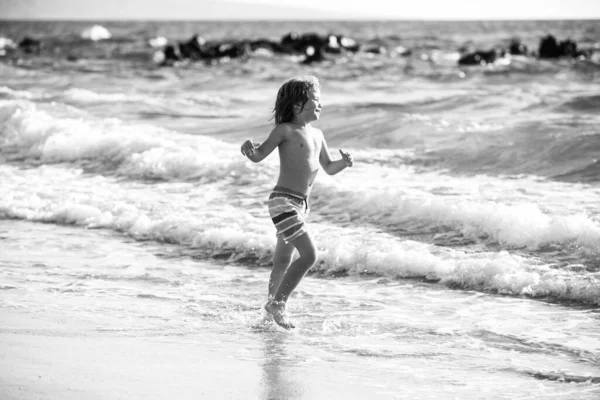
(7,43)
(159,41)
(95,33)
(194,105)
(130,150)
(17,94)
(517,224)
(202,220)
(165,213)
(396,199)
(80,95)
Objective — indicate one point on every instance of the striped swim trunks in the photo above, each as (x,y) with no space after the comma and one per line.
(288,210)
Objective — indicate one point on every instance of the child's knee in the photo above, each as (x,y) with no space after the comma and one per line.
(307,250)
(282,259)
(310,257)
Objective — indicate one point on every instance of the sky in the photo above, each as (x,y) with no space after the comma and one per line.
(300,9)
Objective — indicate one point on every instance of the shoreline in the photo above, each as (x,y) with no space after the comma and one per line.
(88,314)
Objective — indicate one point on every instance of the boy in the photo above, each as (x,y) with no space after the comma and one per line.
(301,149)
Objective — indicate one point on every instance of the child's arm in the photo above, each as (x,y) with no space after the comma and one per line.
(333,167)
(257,152)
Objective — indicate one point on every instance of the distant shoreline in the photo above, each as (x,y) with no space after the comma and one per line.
(294,20)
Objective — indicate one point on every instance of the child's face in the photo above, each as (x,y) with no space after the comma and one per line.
(312,108)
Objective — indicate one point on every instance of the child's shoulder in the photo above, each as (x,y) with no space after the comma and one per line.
(285,126)
(283,129)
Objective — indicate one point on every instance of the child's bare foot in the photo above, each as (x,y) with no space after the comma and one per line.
(277,311)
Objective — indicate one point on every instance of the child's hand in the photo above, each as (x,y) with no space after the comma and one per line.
(248,148)
(347,158)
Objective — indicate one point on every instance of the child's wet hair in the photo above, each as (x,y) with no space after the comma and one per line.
(293,91)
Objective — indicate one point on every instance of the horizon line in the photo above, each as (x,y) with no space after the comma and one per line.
(408,19)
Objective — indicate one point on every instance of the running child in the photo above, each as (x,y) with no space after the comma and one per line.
(302,148)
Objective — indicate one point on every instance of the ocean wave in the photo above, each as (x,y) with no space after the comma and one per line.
(522,225)
(581,104)
(588,173)
(551,149)
(422,205)
(85,95)
(138,151)
(215,228)
(6,92)
(563,377)
(185,105)
(490,272)
(150,105)
(191,99)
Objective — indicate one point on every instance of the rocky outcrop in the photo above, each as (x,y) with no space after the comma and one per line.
(312,45)
(517,48)
(551,48)
(30,46)
(479,58)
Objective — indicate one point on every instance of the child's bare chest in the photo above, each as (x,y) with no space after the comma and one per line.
(305,144)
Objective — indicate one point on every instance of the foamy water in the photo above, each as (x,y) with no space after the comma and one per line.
(481,232)
(393,338)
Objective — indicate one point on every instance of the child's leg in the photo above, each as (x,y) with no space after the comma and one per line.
(290,279)
(296,271)
(281,261)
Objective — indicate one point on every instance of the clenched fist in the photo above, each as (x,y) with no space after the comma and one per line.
(249,147)
(347,157)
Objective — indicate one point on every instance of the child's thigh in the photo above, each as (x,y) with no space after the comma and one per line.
(283,251)
(305,246)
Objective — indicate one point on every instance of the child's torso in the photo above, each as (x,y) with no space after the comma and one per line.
(299,159)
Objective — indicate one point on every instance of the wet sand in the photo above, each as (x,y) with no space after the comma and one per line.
(50,357)
(90,314)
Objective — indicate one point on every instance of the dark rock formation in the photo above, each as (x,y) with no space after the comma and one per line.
(266,44)
(551,48)
(548,47)
(334,44)
(297,43)
(30,46)
(313,55)
(375,49)
(517,48)
(478,58)
(191,49)
(312,45)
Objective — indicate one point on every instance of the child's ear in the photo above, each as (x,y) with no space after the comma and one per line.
(297,108)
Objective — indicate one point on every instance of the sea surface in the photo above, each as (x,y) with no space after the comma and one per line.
(460,255)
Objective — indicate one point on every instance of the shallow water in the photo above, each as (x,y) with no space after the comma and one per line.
(377,337)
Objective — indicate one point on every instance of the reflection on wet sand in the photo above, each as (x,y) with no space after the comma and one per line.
(280,378)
